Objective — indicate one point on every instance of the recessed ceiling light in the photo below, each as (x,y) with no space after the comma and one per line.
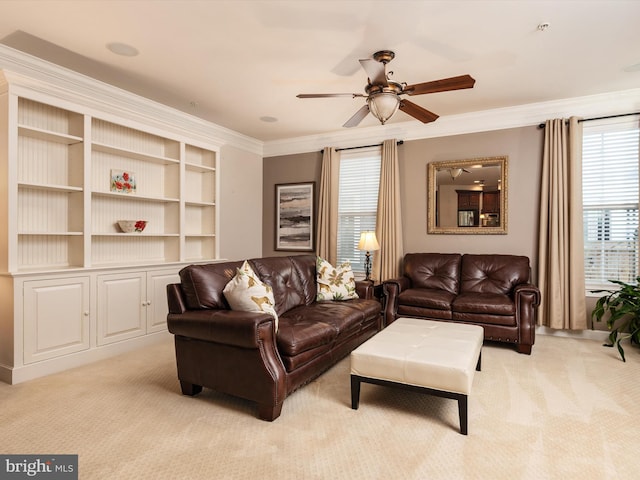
(122,49)
(268,119)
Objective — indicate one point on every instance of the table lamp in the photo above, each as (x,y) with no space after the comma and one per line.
(369,243)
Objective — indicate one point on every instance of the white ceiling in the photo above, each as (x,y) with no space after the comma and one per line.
(233,62)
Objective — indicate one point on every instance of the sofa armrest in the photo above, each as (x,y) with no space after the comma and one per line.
(364,289)
(528,290)
(527,298)
(176,299)
(229,327)
(392,288)
(233,352)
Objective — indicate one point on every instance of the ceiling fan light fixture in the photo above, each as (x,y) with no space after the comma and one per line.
(383,105)
(455,172)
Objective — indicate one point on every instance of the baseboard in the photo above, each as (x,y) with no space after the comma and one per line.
(14,375)
(599,335)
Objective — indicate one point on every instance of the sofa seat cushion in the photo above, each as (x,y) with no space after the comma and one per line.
(291,362)
(484,319)
(484,303)
(324,323)
(426,298)
(410,311)
(494,308)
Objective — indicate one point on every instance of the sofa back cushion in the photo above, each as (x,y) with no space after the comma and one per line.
(440,271)
(493,273)
(293,279)
(202,285)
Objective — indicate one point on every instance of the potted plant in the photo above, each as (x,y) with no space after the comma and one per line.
(624,305)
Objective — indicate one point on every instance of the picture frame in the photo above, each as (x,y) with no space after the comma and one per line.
(123,182)
(295,216)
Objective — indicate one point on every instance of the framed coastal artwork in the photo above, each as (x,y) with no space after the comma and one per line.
(294,216)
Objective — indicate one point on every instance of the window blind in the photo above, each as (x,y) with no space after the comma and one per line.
(610,201)
(359,182)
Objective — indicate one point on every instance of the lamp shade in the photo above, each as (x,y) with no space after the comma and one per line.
(368,242)
(383,105)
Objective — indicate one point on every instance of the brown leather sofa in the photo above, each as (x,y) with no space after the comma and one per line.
(240,353)
(493,291)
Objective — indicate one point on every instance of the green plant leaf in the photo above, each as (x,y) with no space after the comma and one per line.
(623,308)
(621,351)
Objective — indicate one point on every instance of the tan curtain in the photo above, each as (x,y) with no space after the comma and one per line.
(561,244)
(386,261)
(327,224)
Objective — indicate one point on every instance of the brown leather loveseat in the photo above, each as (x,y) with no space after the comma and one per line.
(493,291)
(240,353)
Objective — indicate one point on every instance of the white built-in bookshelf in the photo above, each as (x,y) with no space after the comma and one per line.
(73,285)
(68,212)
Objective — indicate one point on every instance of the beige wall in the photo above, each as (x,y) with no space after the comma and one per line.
(523,146)
(240,174)
(304,167)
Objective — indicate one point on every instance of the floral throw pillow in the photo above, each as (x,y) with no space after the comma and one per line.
(247,293)
(335,283)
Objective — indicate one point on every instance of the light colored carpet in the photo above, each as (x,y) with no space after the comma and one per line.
(568,411)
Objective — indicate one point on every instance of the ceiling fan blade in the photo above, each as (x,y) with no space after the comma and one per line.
(417,112)
(443,85)
(375,71)
(358,117)
(328,95)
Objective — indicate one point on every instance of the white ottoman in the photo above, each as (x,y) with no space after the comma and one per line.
(438,358)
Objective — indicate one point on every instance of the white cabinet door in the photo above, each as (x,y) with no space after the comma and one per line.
(56,317)
(122,306)
(157,308)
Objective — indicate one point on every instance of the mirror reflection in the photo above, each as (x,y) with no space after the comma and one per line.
(468,196)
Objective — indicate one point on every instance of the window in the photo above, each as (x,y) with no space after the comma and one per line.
(610,201)
(357,202)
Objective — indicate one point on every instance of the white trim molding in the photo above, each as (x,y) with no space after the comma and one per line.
(40,76)
(487,120)
(599,335)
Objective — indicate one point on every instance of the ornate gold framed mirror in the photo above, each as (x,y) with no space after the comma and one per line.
(467,196)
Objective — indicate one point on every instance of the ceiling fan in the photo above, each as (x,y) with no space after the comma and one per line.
(383,95)
(456,172)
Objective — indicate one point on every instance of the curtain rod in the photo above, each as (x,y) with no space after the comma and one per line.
(399,142)
(600,118)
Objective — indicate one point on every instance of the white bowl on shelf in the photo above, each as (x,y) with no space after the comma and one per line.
(131,226)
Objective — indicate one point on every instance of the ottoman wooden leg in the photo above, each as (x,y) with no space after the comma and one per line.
(355,391)
(462,413)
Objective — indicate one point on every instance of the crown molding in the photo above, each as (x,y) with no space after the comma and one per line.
(496,119)
(36,75)
(26,71)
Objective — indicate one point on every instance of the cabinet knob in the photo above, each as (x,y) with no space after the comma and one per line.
(86,314)
(148,302)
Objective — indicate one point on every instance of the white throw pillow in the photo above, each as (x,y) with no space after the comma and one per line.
(245,292)
(335,283)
